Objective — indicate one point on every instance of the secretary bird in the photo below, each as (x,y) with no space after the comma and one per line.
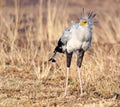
(76,38)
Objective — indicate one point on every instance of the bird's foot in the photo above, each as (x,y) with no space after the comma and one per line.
(83,94)
(65,95)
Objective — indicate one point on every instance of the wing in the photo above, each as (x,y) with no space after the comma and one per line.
(61,46)
(67,34)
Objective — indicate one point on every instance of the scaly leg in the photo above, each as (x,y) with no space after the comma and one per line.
(79,63)
(69,57)
(67,74)
(80,81)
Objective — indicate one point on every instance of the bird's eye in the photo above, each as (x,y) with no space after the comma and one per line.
(85,22)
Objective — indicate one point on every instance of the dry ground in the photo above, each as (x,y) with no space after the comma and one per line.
(28,34)
(20,86)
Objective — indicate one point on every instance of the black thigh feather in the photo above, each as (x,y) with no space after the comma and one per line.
(80,57)
(69,58)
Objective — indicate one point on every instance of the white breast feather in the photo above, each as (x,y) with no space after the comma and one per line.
(80,39)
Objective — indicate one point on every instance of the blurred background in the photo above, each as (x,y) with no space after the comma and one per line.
(29,31)
(46,19)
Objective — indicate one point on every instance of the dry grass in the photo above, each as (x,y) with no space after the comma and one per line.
(28,36)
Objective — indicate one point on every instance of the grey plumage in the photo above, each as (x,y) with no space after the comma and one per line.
(77,37)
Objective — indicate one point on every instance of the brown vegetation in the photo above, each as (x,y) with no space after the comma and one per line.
(28,34)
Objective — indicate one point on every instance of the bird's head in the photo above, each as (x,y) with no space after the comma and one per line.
(83,22)
(87,20)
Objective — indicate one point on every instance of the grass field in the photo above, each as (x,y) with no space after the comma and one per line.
(29,31)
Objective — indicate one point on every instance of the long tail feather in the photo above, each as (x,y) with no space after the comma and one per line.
(52,59)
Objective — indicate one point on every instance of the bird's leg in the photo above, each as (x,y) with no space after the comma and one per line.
(67,74)
(69,57)
(80,81)
(79,63)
